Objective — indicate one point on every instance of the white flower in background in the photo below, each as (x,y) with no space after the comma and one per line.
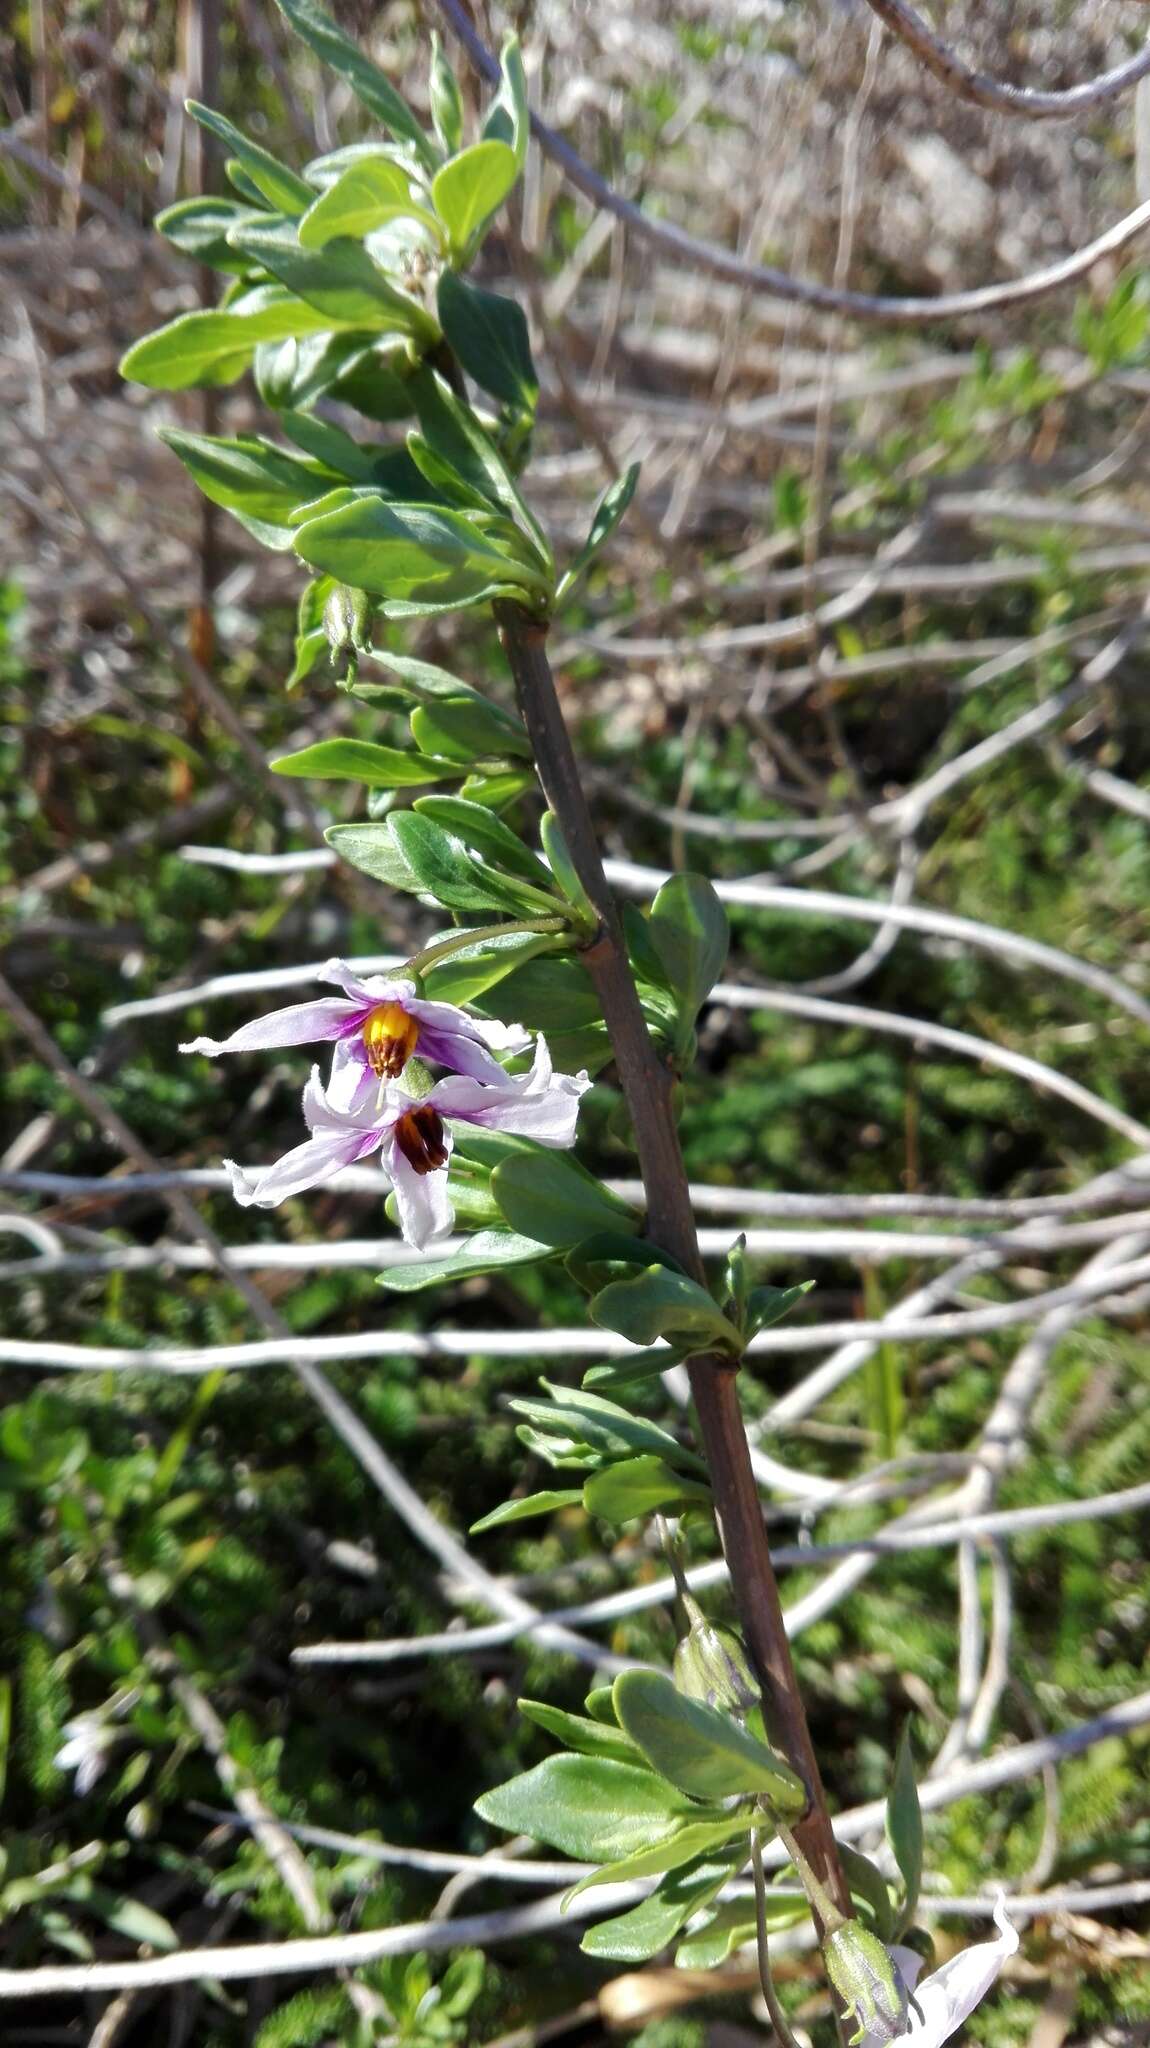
(85,1750)
(949,1995)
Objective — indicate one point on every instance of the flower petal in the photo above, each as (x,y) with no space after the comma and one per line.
(299,1024)
(305,1166)
(352,1089)
(449,1017)
(422,1200)
(375,988)
(542,1105)
(459,1050)
(950,1995)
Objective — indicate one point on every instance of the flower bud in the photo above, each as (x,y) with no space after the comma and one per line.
(863,1973)
(345,621)
(710,1664)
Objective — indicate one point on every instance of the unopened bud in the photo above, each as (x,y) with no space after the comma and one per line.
(864,1974)
(142,1820)
(710,1664)
(345,621)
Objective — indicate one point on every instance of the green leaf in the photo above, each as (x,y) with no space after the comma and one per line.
(447,486)
(340,281)
(624,1373)
(251,477)
(525,1509)
(372,849)
(688,929)
(613,1254)
(641,951)
(323,171)
(660,1303)
(486,1252)
(280,187)
(446,869)
(555,1198)
(693,1839)
(546,995)
(332,501)
(361,761)
(767,1305)
(473,186)
(369,84)
(125,1915)
(587,1738)
(368,193)
(636,1936)
(699,1750)
(454,435)
(362,370)
(499,789)
(591,1808)
(560,1452)
(422,679)
(509,116)
(328,444)
(468,729)
(738,1279)
(489,337)
(462,1983)
(638,1486)
(733,1926)
(600,1704)
(445,99)
(373,382)
(311,641)
(607,514)
(904,1826)
(480,828)
(469,973)
(612,1430)
(216,348)
(199,228)
(415,551)
(564,870)
(248,190)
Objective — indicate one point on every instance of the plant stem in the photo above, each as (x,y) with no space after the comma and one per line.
(822,1906)
(647,1085)
(770,1996)
(432,955)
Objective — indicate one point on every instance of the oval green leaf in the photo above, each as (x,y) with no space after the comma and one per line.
(589,1807)
(700,1751)
(469,189)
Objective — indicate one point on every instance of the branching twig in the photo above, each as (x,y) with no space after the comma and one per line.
(980,90)
(763,277)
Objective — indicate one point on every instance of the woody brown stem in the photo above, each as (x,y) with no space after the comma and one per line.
(647,1083)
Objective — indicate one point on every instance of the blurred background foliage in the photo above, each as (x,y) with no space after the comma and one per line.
(244,1527)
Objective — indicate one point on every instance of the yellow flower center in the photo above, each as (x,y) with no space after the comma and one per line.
(390,1038)
(421,1138)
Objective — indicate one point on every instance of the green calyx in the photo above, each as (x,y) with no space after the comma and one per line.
(710,1664)
(864,1975)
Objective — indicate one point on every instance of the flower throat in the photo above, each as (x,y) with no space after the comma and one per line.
(390,1037)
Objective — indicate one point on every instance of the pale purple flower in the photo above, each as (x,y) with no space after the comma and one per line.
(376,1026)
(949,1995)
(411,1135)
